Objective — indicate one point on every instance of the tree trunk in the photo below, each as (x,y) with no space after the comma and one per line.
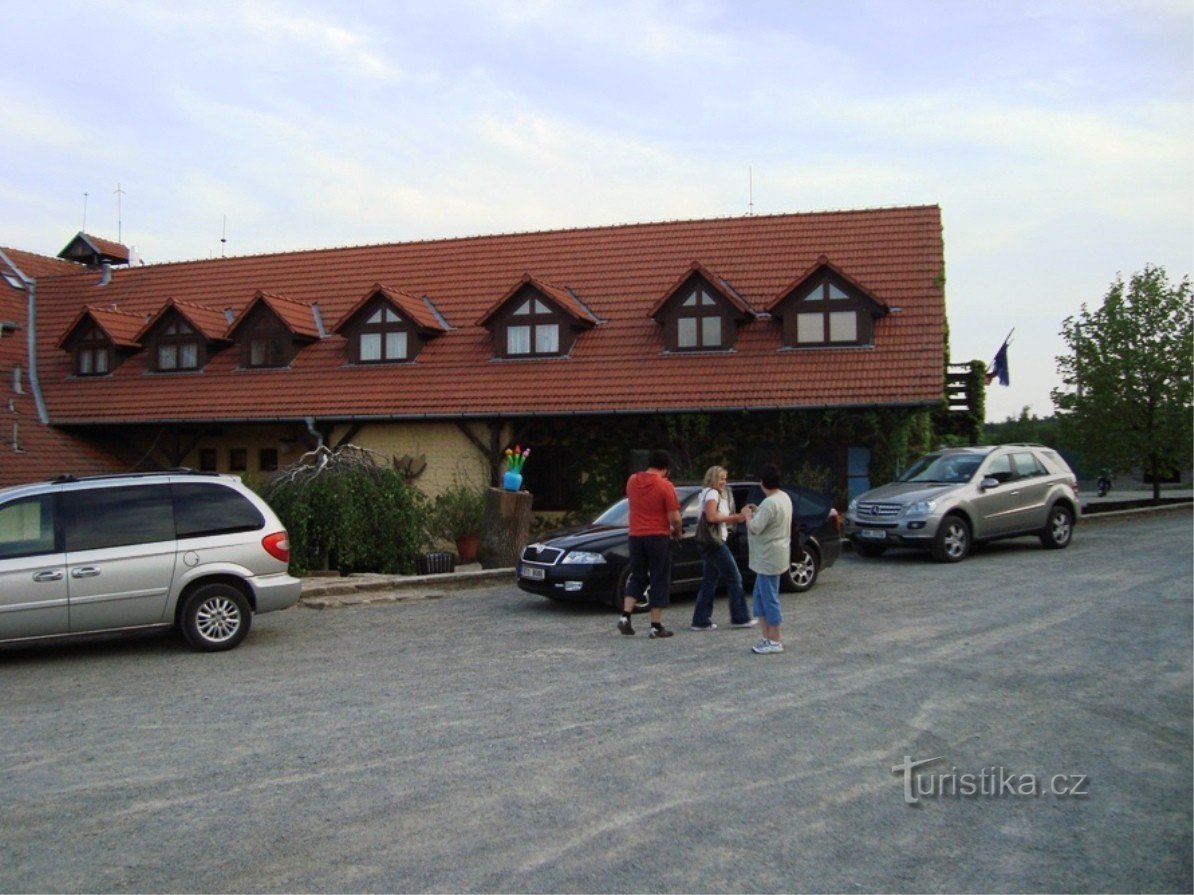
(506,529)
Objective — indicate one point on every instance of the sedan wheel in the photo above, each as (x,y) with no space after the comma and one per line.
(216,617)
(1059,529)
(802,572)
(620,592)
(953,540)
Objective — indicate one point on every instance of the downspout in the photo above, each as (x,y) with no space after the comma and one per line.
(30,287)
(310,421)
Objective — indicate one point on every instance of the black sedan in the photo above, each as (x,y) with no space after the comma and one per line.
(591,563)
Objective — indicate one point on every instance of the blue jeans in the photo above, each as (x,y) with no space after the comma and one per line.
(719,565)
(767,599)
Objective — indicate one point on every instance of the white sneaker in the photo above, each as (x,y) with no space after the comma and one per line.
(712,626)
(749,623)
(767,646)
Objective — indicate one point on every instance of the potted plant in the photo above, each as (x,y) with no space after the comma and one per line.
(457,515)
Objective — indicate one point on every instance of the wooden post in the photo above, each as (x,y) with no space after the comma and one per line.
(506,529)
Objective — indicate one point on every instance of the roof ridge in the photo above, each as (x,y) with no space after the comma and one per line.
(590,228)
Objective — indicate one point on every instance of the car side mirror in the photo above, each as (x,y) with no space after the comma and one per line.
(988,483)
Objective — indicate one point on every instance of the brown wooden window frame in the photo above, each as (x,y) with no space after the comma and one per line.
(177,334)
(91,350)
(707,304)
(530,309)
(401,324)
(265,332)
(824,299)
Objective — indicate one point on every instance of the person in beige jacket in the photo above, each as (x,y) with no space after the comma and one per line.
(769,527)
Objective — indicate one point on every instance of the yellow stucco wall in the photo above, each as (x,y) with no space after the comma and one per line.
(451,458)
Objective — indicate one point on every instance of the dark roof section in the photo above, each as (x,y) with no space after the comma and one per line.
(94,251)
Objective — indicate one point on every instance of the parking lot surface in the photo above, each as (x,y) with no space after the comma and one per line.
(495,741)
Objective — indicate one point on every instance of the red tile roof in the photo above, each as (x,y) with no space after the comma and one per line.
(896,254)
(121,327)
(562,298)
(414,308)
(724,289)
(208,322)
(298,316)
(29,450)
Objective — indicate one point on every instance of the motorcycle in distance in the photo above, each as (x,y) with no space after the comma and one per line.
(1103,485)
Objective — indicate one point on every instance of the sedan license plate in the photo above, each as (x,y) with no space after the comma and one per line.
(533,573)
(873,534)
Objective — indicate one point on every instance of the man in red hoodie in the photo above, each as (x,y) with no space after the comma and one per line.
(654,521)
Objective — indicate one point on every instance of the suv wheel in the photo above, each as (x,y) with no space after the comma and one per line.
(802,572)
(953,540)
(1059,528)
(215,617)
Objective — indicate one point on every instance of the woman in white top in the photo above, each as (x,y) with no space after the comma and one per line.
(717,503)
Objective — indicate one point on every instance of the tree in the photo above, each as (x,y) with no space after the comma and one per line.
(1126,383)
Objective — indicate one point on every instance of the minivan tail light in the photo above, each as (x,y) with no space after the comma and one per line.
(837,520)
(277,545)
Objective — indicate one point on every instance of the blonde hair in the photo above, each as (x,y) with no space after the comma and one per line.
(712,474)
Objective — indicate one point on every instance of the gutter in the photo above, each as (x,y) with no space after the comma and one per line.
(30,288)
(309,421)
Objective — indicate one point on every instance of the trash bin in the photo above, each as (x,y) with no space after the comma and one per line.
(435,563)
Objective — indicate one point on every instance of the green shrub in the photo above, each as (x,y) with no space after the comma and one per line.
(343,510)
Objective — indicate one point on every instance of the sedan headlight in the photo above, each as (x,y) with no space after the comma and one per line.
(583,558)
(920,508)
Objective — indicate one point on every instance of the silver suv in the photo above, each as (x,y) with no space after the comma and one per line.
(198,551)
(950,499)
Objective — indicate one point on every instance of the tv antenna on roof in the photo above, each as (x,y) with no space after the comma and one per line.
(119,215)
(750,181)
(224,236)
(84,212)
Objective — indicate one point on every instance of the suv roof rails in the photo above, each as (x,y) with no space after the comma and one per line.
(67,478)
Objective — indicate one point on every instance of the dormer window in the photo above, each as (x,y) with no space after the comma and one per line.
(827,314)
(701,312)
(826,308)
(533,329)
(382,337)
(93,352)
(178,348)
(271,329)
(99,339)
(267,343)
(183,336)
(388,326)
(699,322)
(536,319)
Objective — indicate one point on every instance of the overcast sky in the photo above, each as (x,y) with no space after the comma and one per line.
(1057,137)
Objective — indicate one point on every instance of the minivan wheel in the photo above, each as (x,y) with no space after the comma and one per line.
(215,617)
(802,572)
(620,591)
(1059,530)
(953,540)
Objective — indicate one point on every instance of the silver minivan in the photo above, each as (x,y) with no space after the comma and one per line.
(196,551)
(950,499)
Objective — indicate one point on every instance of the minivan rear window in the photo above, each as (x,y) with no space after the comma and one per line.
(203,508)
